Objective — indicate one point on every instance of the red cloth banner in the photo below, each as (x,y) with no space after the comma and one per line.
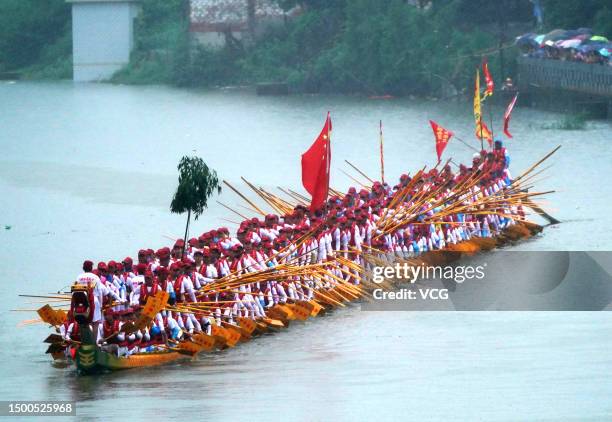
(507,115)
(315,167)
(488,80)
(442,137)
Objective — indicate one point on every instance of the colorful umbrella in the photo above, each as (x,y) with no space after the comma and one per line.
(527,40)
(557,34)
(573,43)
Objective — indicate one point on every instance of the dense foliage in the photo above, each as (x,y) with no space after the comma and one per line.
(35,33)
(357,46)
(377,47)
(373,47)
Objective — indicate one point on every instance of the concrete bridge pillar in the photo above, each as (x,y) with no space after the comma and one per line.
(102,37)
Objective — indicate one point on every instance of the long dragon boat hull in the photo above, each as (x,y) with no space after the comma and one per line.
(92,360)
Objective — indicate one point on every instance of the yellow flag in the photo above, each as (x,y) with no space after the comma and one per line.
(482,131)
(477,112)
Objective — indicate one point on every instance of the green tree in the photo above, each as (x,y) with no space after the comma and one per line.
(576,14)
(27,27)
(196,184)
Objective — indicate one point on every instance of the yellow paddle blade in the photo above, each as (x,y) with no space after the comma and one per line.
(287,310)
(230,337)
(190,347)
(274,323)
(299,311)
(306,304)
(316,308)
(155,304)
(61,316)
(52,316)
(278,314)
(150,308)
(242,335)
(207,342)
(247,324)
(261,326)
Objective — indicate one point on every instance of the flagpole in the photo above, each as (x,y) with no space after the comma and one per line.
(490,112)
(480,115)
(325,210)
(489,91)
(491,119)
(382,155)
(477,98)
(466,144)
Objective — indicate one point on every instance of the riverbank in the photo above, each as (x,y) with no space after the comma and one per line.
(360,47)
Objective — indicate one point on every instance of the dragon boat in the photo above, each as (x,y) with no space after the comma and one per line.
(90,359)
(424,207)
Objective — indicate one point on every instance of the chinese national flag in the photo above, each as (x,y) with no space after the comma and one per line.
(315,167)
(442,137)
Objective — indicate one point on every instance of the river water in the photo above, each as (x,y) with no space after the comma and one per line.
(87,171)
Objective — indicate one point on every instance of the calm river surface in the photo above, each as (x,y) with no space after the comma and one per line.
(87,171)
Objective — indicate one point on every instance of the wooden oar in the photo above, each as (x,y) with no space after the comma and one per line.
(267,200)
(539,210)
(306,200)
(245,198)
(299,200)
(232,210)
(359,171)
(355,180)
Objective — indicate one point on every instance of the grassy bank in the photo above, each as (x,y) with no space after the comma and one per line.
(358,46)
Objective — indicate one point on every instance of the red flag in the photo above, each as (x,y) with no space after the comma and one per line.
(315,167)
(507,115)
(488,79)
(442,137)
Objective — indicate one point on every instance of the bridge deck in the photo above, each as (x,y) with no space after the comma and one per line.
(590,79)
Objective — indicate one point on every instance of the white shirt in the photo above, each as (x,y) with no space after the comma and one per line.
(99,291)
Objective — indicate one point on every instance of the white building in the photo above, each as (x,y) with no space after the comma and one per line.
(102,37)
(213,21)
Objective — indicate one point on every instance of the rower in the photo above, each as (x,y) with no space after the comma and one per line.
(163,256)
(142,256)
(128,273)
(100,291)
(110,330)
(149,288)
(177,250)
(72,336)
(183,285)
